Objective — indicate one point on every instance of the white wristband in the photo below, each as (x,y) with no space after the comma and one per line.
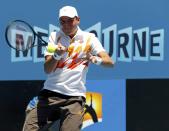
(56,56)
(98,60)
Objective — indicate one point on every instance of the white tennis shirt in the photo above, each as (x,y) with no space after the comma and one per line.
(69,76)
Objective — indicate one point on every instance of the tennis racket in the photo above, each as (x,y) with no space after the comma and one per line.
(21,36)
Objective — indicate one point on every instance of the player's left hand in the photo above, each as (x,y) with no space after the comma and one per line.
(94,59)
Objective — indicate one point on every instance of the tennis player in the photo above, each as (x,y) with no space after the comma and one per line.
(63,94)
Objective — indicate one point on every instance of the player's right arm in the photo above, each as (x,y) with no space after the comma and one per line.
(50,64)
(51,59)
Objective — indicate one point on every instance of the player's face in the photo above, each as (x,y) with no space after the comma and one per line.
(69,25)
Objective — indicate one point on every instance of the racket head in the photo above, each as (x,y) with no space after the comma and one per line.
(20,35)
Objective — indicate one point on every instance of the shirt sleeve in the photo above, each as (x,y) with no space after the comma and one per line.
(52,41)
(96,46)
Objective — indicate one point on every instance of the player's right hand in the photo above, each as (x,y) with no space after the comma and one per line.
(61,49)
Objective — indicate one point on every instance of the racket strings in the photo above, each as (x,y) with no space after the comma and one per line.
(20,35)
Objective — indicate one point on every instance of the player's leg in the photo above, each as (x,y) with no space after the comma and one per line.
(72,116)
(36,118)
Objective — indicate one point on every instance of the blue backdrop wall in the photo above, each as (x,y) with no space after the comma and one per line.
(141,53)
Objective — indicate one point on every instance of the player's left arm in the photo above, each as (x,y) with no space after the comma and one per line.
(98,54)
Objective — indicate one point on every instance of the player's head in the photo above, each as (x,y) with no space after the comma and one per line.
(69,19)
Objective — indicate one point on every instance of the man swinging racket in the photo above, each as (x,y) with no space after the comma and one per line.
(63,94)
